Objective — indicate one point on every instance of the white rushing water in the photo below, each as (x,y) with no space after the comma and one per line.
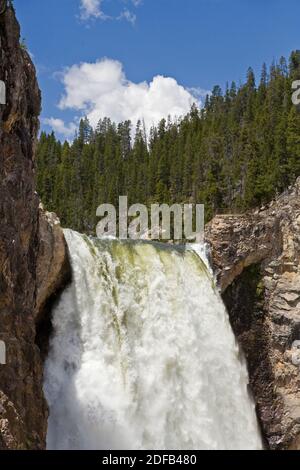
(143,355)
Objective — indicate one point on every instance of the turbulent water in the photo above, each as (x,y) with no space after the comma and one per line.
(143,356)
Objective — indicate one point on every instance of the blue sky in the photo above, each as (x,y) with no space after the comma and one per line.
(196,43)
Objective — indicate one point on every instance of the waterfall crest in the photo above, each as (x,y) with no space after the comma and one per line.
(143,355)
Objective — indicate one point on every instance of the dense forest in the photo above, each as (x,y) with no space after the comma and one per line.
(237,152)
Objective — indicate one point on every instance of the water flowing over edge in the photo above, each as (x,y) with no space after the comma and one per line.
(143,355)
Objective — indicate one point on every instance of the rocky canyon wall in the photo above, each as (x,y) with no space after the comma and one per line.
(33,262)
(255,257)
(256,260)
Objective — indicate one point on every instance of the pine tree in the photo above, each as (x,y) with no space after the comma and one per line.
(237,152)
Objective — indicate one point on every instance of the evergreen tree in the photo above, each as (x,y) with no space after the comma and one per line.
(237,152)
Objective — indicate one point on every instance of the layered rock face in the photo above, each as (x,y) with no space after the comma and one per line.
(32,249)
(256,260)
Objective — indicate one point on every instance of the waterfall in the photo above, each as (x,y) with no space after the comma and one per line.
(143,355)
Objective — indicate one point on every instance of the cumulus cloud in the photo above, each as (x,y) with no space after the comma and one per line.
(101,89)
(60,127)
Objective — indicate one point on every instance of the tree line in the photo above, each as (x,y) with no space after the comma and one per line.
(237,152)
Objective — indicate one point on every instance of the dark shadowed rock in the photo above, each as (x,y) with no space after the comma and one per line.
(256,260)
(53,268)
(25,279)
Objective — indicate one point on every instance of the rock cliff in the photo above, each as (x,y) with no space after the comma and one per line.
(256,259)
(32,249)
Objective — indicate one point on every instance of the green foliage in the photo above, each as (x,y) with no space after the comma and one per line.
(236,153)
(23,44)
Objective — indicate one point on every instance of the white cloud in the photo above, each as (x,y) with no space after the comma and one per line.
(101,89)
(128,16)
(136,3)
(198,92)
(58,125)
(91,9)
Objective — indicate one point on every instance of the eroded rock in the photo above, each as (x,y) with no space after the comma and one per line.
(53,268)
(256,260)
(30,266)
